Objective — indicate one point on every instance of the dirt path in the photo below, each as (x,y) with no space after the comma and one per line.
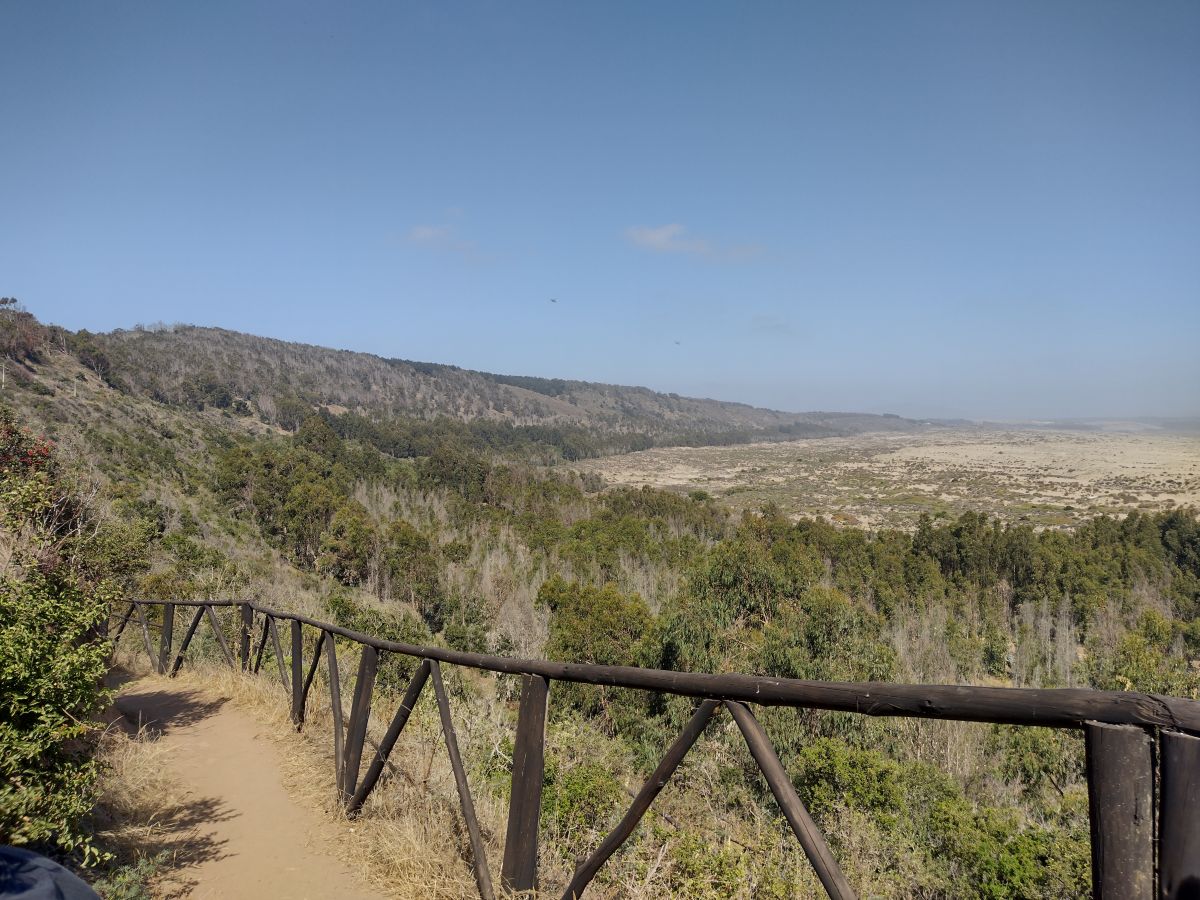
(259,842)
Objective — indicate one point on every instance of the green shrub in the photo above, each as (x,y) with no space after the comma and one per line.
(702,870)
(828,773)
(133,881)
(577,800)
(1142,660)
(53,654)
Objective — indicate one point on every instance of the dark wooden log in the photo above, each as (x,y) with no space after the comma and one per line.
(389,739)
(220,635)
(165,637)
(278,648)
(297,674)
(195,603)
(141,615)
(244,633)
(806,830)
(483,877)
(312,671)
(1179,818)
(519,869)
(1052,708)
(335,704)
(1120,776)
(124,621)
(187,640)
(262,644)
(670,762)
(360,715)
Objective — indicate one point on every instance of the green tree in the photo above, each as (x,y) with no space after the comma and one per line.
(349,545)
(590,624)
(414,572)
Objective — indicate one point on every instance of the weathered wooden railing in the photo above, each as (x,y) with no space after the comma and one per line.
(1142,750)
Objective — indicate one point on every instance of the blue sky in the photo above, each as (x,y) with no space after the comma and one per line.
(961,208)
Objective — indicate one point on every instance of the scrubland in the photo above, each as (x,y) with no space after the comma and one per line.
(1043,477)
(452,543)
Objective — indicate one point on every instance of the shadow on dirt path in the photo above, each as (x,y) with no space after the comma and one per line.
(159,712)
(239,834)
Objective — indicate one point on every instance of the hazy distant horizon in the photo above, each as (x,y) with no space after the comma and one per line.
(983,211)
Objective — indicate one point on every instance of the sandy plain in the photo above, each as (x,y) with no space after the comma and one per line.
(1044,477)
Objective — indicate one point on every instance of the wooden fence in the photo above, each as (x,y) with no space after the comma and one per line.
(1143,750)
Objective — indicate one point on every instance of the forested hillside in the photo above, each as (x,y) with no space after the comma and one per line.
(282,383)
(433,532)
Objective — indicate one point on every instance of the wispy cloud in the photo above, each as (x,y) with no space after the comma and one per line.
(429,234)
(674,238)
(666,239)
(440,237)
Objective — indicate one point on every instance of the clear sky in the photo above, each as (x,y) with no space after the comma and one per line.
(959,208)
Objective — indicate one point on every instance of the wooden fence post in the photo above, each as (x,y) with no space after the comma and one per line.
(278,648)
(166,637)
(519,870)
(297,674)
(312,672)
(244,637)
(360,714)
(219,634)
(187,639)
(335,705)
(121,627)
(367,784)
(262,645)
(1120,776)
(1179,818)
(811,839)
(145,628)
(483,877)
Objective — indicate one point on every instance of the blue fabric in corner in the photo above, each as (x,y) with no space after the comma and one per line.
(29,876)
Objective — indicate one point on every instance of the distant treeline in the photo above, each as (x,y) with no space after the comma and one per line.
(405,404)
(408,438)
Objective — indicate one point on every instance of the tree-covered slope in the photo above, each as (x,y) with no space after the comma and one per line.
(282,382)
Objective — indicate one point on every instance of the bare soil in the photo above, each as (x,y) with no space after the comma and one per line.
(258,842)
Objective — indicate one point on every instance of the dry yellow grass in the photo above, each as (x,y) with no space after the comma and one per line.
(144,813)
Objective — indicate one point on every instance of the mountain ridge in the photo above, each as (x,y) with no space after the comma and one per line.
(282,382)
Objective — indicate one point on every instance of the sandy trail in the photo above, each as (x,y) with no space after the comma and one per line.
(257,841)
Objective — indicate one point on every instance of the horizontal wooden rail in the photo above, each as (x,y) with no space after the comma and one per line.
(1126,732)
(1048,707)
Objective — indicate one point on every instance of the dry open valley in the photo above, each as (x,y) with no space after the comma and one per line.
(1048,478)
